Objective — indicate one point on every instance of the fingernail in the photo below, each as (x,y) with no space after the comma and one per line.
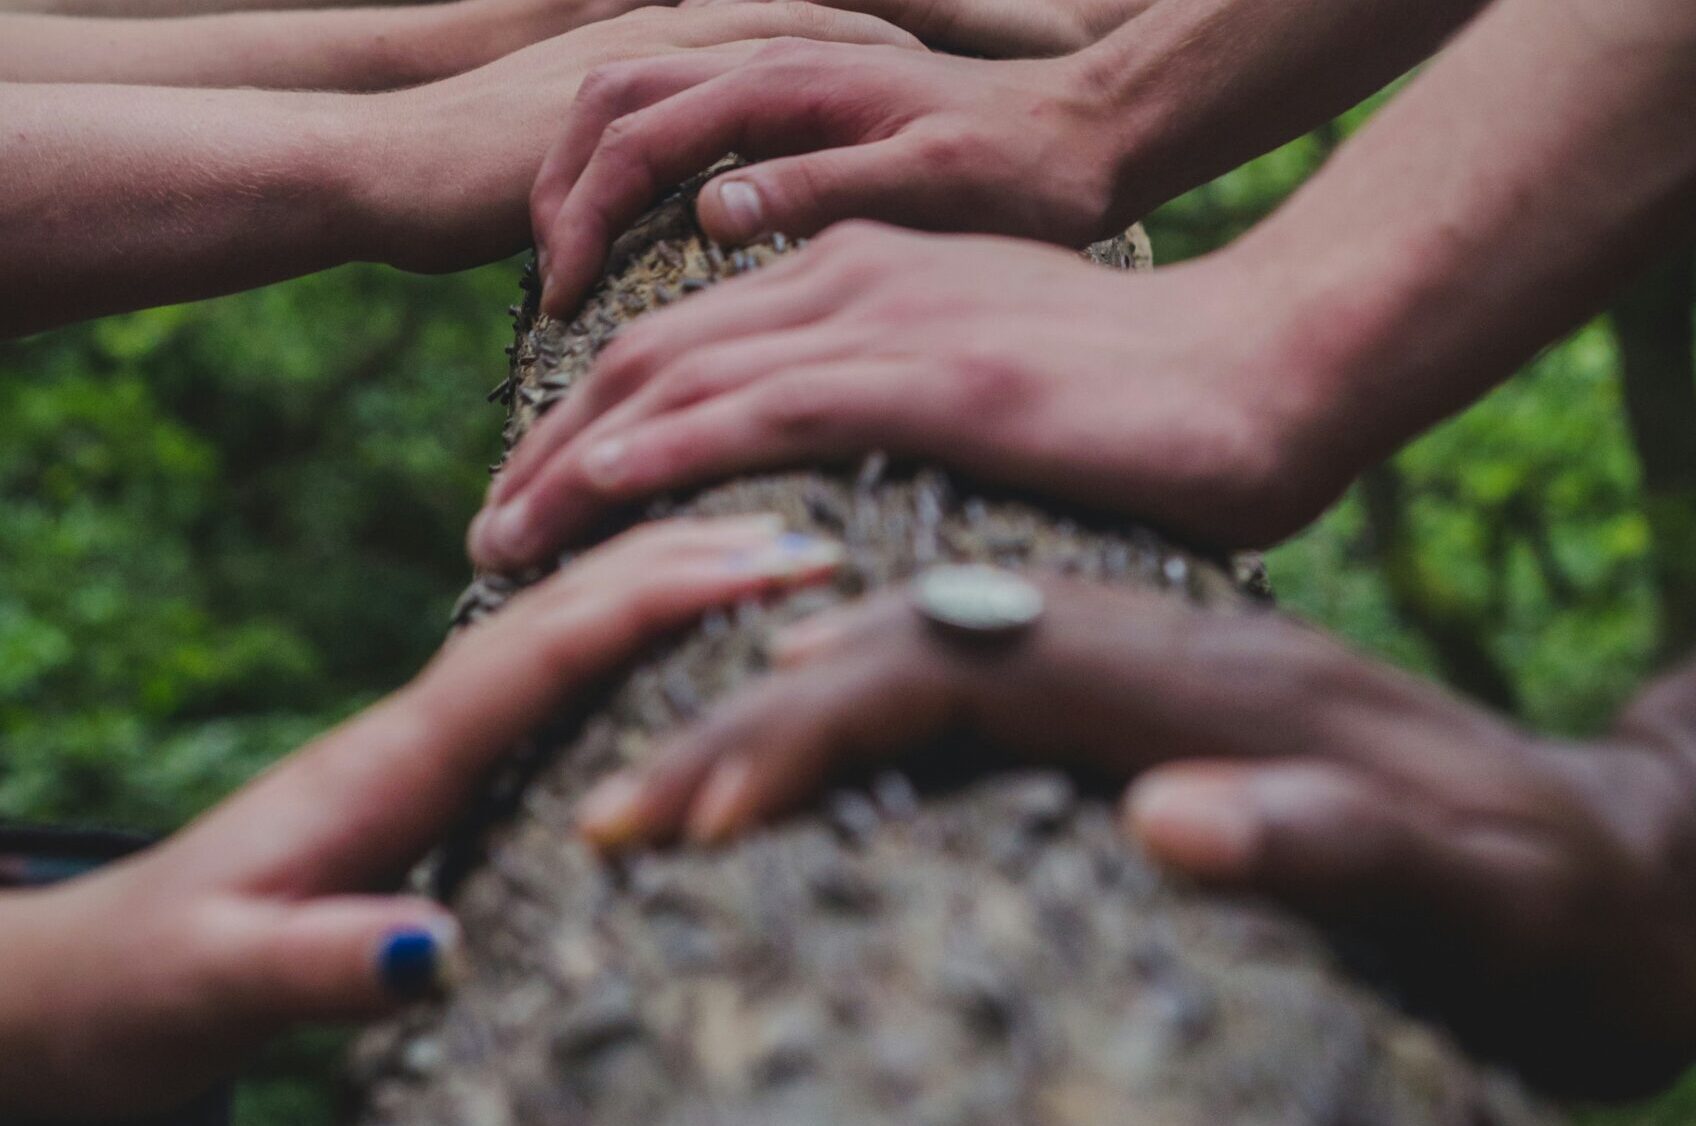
(542,263)
(743,207)
(795,643)
(604,463)
(503,532)
(717,810)
(1206,828)
(419,961)
(608,814)
(791,555)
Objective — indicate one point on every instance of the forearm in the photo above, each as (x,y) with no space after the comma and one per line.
(1495,204)
(1204,85)
(357,49)
(155,8)
(27,1023)
(121,197)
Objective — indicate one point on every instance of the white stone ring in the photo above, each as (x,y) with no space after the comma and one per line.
(977,601)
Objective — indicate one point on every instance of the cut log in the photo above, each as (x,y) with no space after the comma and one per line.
(966,942)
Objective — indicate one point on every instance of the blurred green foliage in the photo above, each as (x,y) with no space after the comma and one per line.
(225,526)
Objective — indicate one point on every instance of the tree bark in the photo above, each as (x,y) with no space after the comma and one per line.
(967,942)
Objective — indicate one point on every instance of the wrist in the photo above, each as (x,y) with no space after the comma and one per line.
(1132,121)
(1368,341)
(35,1059)
(428,186)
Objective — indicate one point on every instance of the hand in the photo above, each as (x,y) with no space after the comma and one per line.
(1545,889)
(997,28)
(459,156)
(928,141)
(134,988)
(1166,396)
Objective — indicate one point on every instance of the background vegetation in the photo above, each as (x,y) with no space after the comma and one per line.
(225,526)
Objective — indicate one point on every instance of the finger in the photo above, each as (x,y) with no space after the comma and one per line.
(1333,839)
(775,108)
(710,48)
(769,748)
(608,93)
(342,958)
(834,411)
(816,636)
(500,540)
(363,801)
(777,296)
(802,195)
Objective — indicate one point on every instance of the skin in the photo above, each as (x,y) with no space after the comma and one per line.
(1542,887)
(995,28)
(1231,398)
(155,8)
(1065,150)
(132,989)
(247,187)
(352,49)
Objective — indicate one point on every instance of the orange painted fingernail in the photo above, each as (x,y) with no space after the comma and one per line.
(796,643)
(719,808)
(1205,827)
(610,814)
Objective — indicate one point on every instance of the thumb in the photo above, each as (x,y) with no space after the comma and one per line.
(802,195)
(336,958)
(1322,835)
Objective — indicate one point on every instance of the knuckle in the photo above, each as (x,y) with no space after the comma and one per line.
(789,49)
(946,153)
(624,364)
(602,89)
(621,140)
(796,412)
(989,386)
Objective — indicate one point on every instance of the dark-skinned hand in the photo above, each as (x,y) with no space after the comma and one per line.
(1547,886)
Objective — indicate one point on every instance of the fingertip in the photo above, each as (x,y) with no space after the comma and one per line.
(422,958)
(802,641)
(610,816)
(503,534)
(732,209)
(723,803)
(1206,826)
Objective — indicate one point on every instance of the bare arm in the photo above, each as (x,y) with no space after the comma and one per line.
(118,197)
(355,49)
(147,9)
(1510,190)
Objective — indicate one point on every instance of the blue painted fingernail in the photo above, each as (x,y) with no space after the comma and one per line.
(789,555)
(411,963)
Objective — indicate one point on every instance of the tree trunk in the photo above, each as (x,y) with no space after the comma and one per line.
(964,943)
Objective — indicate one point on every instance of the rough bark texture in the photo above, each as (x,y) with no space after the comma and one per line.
(959,944)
